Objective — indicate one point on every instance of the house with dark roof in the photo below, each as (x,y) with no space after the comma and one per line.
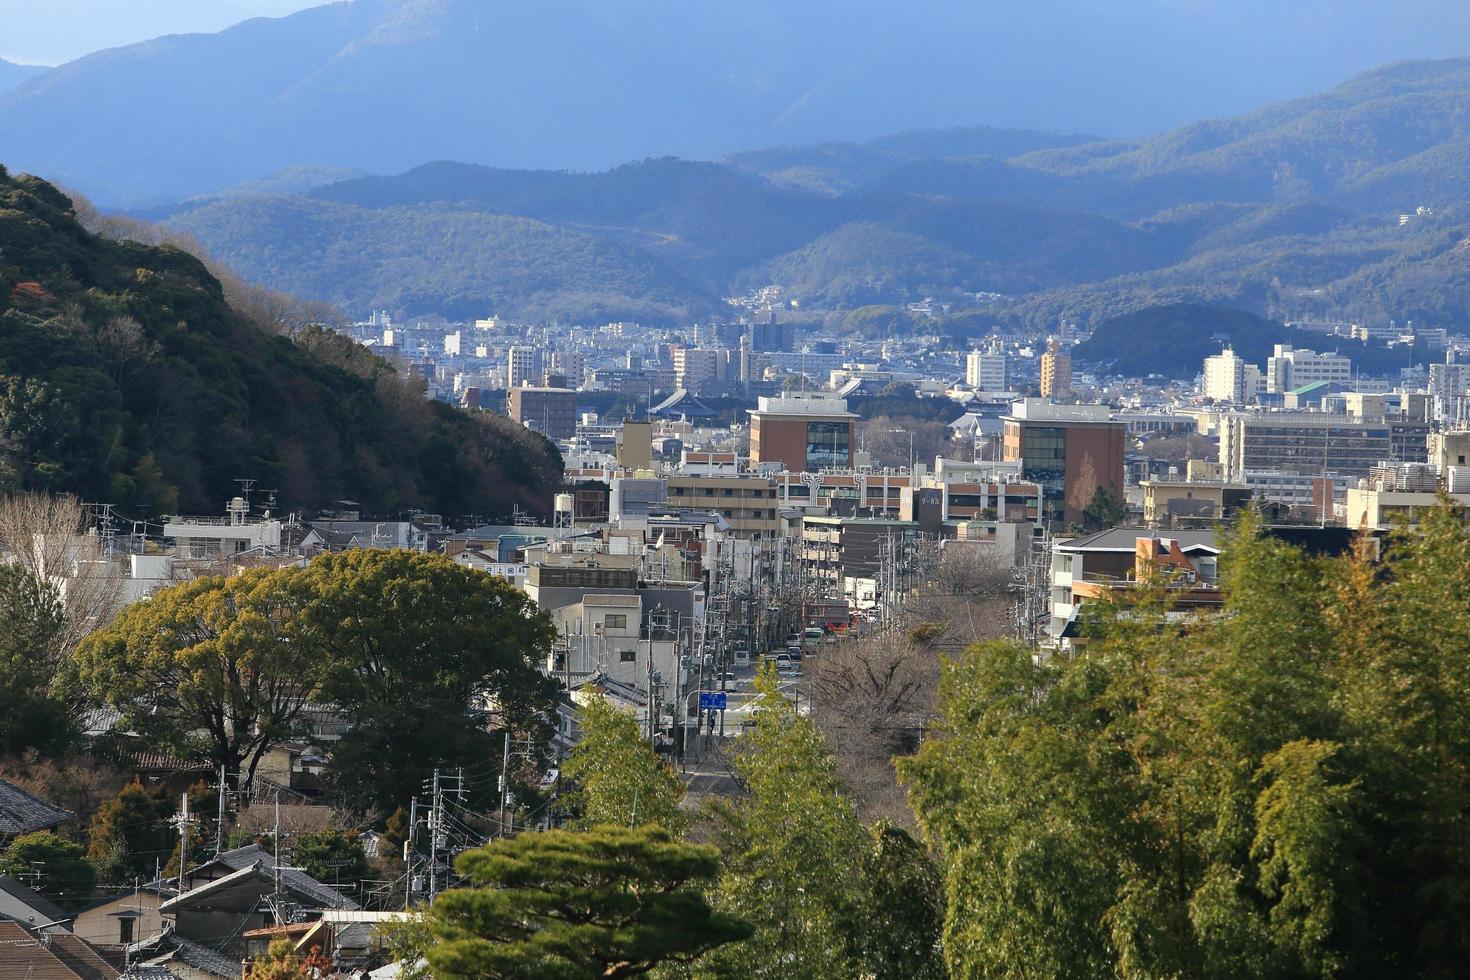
(23,904)
(22,813)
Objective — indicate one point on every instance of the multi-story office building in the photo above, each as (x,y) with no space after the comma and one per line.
(1072,451)
(695,368)
(805,433)
(835,548)
(1288,369)
(550,411)
(1056,370)
(746,501)
(1302,443)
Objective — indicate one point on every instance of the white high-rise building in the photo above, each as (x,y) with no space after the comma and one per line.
(1228,378)
(520,369)
(986,370)
(1288,369)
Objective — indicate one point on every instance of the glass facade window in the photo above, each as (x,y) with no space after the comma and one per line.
(827,445)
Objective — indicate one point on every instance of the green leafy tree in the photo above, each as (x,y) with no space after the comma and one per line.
(331,856)
(54,866)
(213,668)
(793,849)
(415,644)
(33,715)
(616,776)
(605,902)
(1277,791)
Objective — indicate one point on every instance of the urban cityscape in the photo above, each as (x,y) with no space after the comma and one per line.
(970,552)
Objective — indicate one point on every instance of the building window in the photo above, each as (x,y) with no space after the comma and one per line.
(627,656)
(615,622)
(125,929)
(827,445)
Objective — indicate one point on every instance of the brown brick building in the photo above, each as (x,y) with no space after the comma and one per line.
(804,433)
(550,411)
(1070,450)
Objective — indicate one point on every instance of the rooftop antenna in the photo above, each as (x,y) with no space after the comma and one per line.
(245,487)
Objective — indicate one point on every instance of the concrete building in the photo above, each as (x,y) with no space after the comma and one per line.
(803,432)
(1071,451)
(222,537)
(550,411)
(1302,443)
(1288,369)
(1181,503)
(1056,370)
(697,369)
(987,370)
(635,445)
(521,366)
(1228,378)
(837,548)
(746,501)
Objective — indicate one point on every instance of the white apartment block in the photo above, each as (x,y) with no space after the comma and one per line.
(1288,369)
(987,371)
(1228,378)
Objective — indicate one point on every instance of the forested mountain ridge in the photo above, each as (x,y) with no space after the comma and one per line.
(1292,210)
(125,377)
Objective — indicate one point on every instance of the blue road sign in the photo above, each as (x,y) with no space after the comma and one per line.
(712,699)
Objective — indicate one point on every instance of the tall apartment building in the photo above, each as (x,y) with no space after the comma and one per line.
(805,433)
(696,368)
(1307,444)
(1056,370)
(1228,378)
(521,367)
(550,411)
(1288,369)
(1072,451)
(986,370)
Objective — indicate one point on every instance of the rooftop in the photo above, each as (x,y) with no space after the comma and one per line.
(22,813)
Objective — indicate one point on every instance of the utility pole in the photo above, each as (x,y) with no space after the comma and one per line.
(408,850)
(436,822)
(181,822)
(219,835)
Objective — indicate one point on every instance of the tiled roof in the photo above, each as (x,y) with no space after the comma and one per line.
(22,813)
(23,954)
(298,881)
(79,955)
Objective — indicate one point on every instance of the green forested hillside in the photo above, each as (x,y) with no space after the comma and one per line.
(1174,339)
(125,377)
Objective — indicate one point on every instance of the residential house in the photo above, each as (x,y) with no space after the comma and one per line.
(22,813)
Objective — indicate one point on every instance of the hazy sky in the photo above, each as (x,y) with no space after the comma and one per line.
(49,32)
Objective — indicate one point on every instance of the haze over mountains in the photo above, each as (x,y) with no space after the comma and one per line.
(1290,210)
(384,85)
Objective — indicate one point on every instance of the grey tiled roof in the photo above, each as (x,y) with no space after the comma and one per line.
(22,813)
(299,882)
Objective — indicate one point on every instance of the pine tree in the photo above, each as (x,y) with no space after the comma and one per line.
(604,902)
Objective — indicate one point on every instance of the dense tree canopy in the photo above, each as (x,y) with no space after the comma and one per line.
(415,649)
(52,865)
(1280,791)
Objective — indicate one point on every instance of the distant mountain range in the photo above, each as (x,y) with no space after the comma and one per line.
(383,85)
(12,74)
(1290,210)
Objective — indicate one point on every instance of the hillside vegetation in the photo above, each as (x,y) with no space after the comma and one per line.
(126,377)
